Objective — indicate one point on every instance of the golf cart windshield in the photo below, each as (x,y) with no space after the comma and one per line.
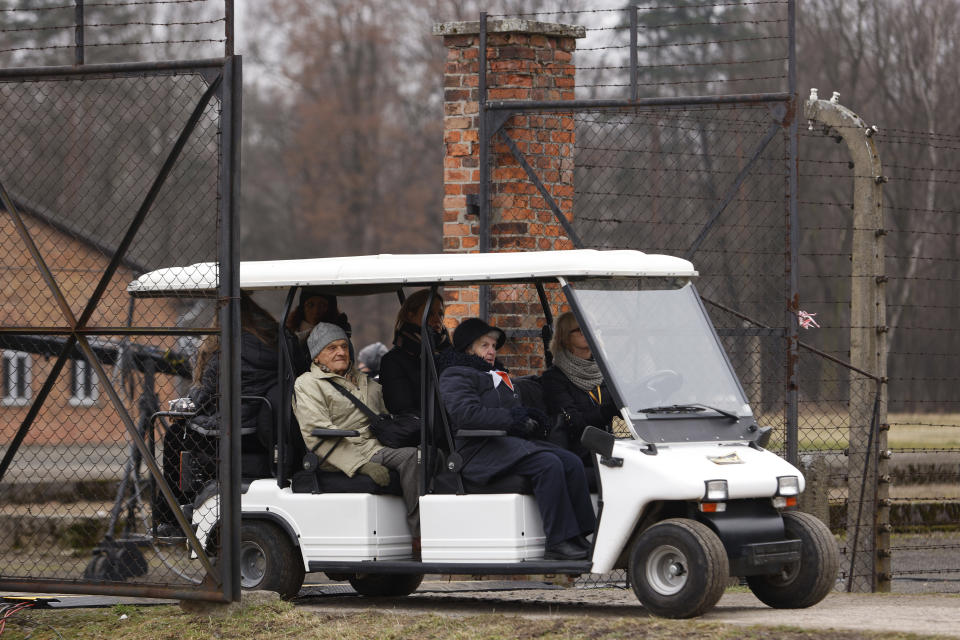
(661,354)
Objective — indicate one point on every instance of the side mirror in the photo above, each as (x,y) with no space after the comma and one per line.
(598,441)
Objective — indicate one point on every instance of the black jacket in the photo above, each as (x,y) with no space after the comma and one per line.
(400,379)
(578,409)
(258,377)
(400,369)
(472,402)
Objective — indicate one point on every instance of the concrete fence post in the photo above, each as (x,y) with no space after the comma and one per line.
(868,511)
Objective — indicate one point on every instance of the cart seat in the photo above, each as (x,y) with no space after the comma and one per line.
(446,483)
(338,482)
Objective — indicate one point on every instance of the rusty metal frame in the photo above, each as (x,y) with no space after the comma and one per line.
(223,78)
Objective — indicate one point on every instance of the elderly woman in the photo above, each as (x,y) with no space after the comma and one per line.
(478,394)
(400,367)
(318,404)
(573,387)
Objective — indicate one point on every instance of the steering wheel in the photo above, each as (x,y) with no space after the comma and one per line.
(664,383)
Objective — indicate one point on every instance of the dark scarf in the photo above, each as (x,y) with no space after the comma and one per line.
(407,339)
(451,358)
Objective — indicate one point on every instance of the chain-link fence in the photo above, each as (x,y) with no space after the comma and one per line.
(661,166)
(109,172)
(711,181)
(916,485)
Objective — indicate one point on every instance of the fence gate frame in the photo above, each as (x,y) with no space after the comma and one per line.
(223,79)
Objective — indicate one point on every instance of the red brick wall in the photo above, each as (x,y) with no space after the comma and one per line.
(25,301)
(521,66)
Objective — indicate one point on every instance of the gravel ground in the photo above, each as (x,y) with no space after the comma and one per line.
(931,615)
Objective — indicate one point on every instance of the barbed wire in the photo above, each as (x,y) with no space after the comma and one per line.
(114,44)
(684,44)
(677,82)
(718,63)
(925,354)
(698,112)
(650,8)
(98,4)
(686,24)
(922,547)
(116,24)
(925,424)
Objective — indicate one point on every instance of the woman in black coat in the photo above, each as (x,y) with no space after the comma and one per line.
(574,389)
(478,394)
(400,367)
(258,379)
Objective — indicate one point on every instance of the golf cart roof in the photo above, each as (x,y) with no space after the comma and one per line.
(386,272)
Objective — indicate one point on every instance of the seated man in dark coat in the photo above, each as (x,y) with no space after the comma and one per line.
(479,394)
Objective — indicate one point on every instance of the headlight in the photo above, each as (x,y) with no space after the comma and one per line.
(788,486)
(716,491)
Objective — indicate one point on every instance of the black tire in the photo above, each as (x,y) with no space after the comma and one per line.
(386,584)
(805,583)
(268,560)
(678,568)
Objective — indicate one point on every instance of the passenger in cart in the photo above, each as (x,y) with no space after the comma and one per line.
(478,394)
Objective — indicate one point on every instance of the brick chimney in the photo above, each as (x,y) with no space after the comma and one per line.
(526,61)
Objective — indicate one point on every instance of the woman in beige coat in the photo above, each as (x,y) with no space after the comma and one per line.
(318,404)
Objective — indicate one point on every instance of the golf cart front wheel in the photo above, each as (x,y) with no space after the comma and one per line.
(678,568)
(268,560)
(804,583)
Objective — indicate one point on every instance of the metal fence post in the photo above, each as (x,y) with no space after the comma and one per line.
(229,293)
(78,33)
(791,323)
(868,538)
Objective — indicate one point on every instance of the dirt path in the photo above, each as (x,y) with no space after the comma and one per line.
(919,614)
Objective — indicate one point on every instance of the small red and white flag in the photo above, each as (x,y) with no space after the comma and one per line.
(806,320)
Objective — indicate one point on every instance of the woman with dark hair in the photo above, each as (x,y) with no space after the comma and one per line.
(478,394)
(315,307)
(400,367)
(574,389)
(258,377)
(258,374)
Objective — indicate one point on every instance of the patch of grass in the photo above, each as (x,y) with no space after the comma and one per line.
(82,534)
(282,620)
(826,431)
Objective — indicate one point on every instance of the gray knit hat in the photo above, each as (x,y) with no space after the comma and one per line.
(322,335)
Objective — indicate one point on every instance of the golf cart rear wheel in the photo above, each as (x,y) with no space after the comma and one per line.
(805,583)
(268,560)
(678,568)
(386,584)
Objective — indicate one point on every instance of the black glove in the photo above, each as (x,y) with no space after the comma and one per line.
(528,429)
(519,416)
(523,425)
(539,416)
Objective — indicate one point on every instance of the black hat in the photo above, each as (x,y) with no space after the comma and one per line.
(316,292)
(468,331)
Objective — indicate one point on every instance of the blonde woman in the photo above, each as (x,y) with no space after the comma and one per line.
(573,387)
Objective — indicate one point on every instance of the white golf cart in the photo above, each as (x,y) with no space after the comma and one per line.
(688,500)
